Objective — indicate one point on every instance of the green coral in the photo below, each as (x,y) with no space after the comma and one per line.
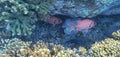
(41,7)
(19,25)
(106,48)
(21,15)
(43,10)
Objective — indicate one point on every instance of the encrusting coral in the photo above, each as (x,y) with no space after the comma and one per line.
(106,48)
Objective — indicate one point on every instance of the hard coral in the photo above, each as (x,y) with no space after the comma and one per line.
(16,47)
(19,24)
(40,49)
(116,35)
(19,16)
(106,48)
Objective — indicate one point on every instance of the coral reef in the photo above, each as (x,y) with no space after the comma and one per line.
(4,39)
(18,48)
(42,10)
(47,49)
(106,48)
(19,25)
(19,16)
(24,34)
(116,35)
(85,8)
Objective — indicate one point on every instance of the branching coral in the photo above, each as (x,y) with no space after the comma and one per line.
(19,16)
(18,48)
(18,25)
(16,17)
(106,48)
(42,49)
(43,10)
(41,7)
(116,35)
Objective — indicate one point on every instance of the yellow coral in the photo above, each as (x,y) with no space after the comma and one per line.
(17,47)
(106,48)
(40,53)
(116,34)
(65,53)
(40,49)
(83,51)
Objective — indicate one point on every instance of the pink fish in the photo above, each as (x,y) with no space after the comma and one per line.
(84,24)
(72,26)
(54,20)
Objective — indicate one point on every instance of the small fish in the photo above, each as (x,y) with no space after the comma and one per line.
(54,20)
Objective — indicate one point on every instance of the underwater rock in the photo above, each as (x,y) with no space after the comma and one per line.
(75,43)
(85,8)
(112,28)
